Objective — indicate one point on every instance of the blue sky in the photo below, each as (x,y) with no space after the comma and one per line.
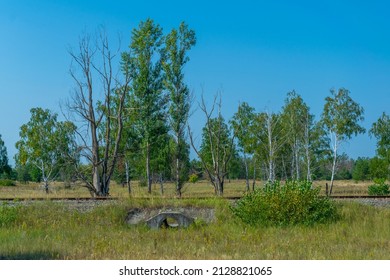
(255,51)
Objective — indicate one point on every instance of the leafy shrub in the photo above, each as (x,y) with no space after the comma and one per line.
(289,204)
(7,183)
(8,215)
(193,178)
(379,188)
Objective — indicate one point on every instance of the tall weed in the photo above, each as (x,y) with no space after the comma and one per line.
(8,215)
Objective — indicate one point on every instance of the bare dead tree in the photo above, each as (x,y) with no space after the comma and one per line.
(218,146)
(101,119)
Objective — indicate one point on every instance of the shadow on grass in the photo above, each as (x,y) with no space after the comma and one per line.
(30,256)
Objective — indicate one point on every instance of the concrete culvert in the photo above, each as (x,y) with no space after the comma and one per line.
(169,220)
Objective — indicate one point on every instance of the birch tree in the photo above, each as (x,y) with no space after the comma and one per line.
(271,140)
(298,126)
(341,117)
(242,124)
(44,143)
(381,131)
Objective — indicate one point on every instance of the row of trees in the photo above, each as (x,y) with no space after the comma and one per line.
(289,145)
(128,118)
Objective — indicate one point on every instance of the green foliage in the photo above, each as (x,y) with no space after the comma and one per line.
(8,215)
(379,188)
(341,119)
(45,143)
(342,115)
(243,127)
(378,168)
(177,44)
(143,62)
(297,125)
(361,170)
(381,131)
(7,183)
(4,167)
(289,204)
(193,178)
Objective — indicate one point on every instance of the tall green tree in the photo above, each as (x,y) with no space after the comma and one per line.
(341,119)
(361,169)
(243,126)
(297,123)
(44,143)
(270,141)
(177,44)
(144,62)
(378,168)
(381,131)
(5,169)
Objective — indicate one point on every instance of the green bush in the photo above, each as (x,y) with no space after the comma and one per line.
(7,183)
(193,178)
(379,188)
(8,215)
(289,204)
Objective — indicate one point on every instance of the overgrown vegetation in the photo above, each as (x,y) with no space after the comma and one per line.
(7,215)
(379,188)
(49,230)
(7,183)
(291,203)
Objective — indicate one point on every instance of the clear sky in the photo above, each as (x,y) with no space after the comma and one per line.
(255,51)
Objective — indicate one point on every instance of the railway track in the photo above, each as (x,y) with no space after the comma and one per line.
(184,198)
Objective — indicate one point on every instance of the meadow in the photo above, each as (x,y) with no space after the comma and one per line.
(51,230)
(233,188)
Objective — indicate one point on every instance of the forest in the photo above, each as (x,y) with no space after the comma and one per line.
(127,119)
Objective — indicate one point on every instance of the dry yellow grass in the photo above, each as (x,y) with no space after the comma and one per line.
(233,188)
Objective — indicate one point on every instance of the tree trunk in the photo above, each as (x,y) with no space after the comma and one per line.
(161,184)
(219,187)
(96,181)
(178,183)
(297,170)
(335,146)
(254,175)
(46,185)
(333,173)
(148,175)
(284,168)
(308,176)
(128,177)
(246,173)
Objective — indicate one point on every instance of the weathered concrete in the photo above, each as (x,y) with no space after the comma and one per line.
(161,220)
(138,216)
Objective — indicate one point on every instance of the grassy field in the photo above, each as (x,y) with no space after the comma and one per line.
(49,230)
(233,188)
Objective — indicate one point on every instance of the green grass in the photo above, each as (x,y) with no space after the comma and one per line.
(48,230)
(7,183)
